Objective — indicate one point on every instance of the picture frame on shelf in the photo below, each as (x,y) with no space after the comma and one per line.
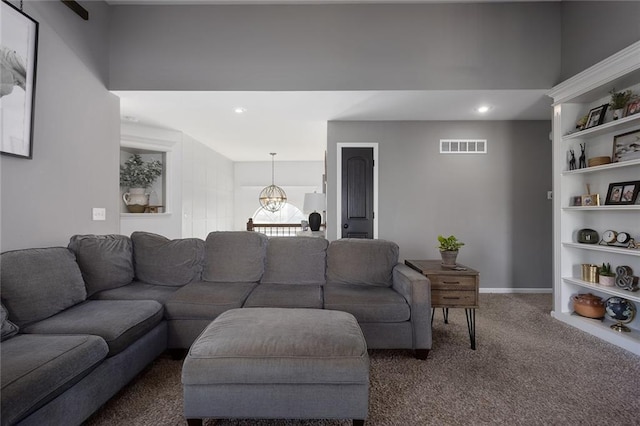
(633,107)
(626,146)
(590,200)
(575,201)
(596,116)
(623,193)
(19,50)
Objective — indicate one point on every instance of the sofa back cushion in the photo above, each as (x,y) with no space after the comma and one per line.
(361,262)
(9,329)
(161,261)
(106,261)
(236,256)
(38,283)
(299,260)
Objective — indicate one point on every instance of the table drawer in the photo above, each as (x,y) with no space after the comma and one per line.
(449,282)
(452,299)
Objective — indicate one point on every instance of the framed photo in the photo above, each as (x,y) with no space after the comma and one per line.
(596,116)
(591,200)
(633,107)
(575,201)
(621,193)
(626,146)
(18,53)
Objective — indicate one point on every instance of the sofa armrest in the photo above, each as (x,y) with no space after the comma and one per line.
(416,288)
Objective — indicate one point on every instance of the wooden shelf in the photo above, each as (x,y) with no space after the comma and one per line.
(612,126)
(631,207)
(605,249)
(613,291)
(604,167)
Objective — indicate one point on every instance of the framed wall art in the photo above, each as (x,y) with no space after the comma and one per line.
(18,57)
(623,193)
(596,116)
(626,146)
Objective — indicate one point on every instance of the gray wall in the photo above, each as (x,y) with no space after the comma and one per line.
(592,31)
(336,47)
(495,202)
(76,136)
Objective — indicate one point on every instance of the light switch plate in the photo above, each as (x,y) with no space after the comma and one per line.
(99,213)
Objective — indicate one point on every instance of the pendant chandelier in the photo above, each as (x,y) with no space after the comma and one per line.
(272,198)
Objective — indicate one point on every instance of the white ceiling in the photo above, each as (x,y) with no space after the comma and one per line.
(294,124)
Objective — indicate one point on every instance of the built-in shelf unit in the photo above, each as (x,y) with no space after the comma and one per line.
(573,99)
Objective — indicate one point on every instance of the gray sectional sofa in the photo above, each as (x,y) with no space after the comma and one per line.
(79,322)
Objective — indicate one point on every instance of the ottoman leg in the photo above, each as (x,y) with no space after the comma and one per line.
(422,353)
(194,422)
(358,422)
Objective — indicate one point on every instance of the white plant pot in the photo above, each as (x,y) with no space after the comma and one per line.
(136,200)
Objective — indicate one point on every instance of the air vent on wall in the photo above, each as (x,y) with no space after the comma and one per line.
(463,146)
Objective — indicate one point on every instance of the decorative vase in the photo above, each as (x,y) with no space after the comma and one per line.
(620,310)
(449,257)
(607,280)
(136,200)
(588,305)
(618,113)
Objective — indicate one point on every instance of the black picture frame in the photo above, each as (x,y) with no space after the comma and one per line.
(596,116)
(18,58)
(623,193)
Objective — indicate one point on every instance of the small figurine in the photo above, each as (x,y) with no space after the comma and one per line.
(583,157)
(572,160)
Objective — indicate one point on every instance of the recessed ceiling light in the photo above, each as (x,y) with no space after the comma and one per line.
(483,109)
(239,110)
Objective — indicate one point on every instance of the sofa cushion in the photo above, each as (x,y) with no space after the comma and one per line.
(9,329)
(37,368)
(137,291)
(206,300)
(118,322)
(234,256)
(40,282)
(361,262)
(285,296)
(367,304)
(161,261)
(300,260)
(106,261)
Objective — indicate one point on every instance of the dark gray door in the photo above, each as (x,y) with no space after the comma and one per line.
(357,193)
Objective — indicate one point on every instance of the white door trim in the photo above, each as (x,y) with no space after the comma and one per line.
(339,147)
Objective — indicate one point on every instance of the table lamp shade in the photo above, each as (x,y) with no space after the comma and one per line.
(314,203)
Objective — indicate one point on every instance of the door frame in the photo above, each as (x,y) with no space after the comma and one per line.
(339,147)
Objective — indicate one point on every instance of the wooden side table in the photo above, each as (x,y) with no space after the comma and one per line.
(451,288)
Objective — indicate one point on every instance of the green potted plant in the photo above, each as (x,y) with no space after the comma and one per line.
(449,247)
(619,100)
(137,175)
(606,276)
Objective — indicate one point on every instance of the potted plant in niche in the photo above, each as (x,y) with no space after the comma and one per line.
(137,175)
(449,247)
(606,277)
(619,100)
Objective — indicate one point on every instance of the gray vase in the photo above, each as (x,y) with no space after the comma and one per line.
(449,257)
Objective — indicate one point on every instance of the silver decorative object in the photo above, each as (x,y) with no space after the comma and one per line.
(625,278)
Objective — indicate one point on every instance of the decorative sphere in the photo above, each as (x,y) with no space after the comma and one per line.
(620,309)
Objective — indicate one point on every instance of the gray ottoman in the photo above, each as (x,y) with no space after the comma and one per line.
(272,363)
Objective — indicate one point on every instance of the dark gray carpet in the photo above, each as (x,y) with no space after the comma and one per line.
(528,369)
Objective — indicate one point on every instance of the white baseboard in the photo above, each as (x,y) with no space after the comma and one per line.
(515,290)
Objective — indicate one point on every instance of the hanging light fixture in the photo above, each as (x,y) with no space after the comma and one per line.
(272,198)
